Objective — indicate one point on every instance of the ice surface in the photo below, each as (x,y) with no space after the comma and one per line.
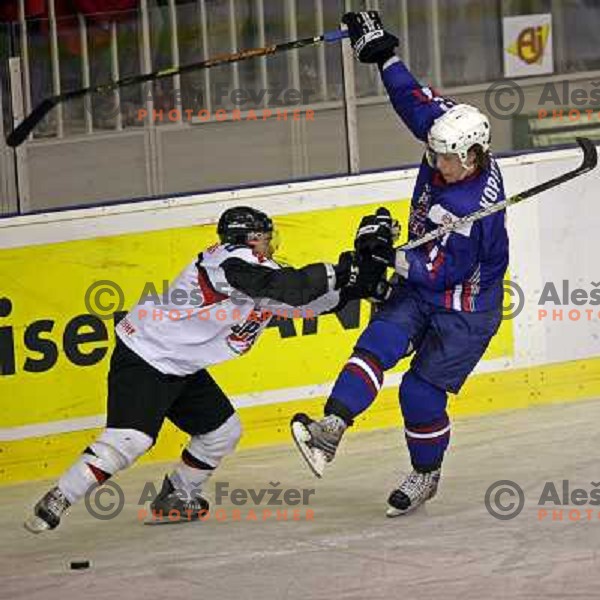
(450,549)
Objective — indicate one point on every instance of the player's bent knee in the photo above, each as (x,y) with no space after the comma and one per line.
(212,447)
(120,448)
(386,340)
(420,401)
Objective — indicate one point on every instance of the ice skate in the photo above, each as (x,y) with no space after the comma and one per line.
(47,512)
(415,490)
(317,440)
(172,506)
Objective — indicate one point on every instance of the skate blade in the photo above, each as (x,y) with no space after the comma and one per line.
(36,525)
(392,512)
(313,457)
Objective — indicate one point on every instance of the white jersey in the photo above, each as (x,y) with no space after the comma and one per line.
(205,321)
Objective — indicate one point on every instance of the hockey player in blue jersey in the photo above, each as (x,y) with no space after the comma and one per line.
(446,306)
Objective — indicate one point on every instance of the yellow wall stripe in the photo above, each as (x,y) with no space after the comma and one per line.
(47,457)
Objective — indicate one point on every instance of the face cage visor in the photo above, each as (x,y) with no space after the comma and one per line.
(432,156)
(273,237)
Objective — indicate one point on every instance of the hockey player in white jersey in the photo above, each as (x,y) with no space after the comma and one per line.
(220,304)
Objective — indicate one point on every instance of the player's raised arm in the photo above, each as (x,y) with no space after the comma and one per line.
(251,270)
(418,106)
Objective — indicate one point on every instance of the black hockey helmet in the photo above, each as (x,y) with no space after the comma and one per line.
(243,224)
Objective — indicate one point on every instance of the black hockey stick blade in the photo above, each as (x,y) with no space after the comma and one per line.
(28,124)
(589,162)
(24,129)
(590,154)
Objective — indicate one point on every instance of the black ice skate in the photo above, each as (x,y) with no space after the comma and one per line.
(415,490)
(172,506)
(317,440)
(47,512)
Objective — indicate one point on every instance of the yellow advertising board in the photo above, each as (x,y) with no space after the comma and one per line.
(54,355)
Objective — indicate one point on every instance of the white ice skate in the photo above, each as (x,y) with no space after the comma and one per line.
(47,512)
(415,490)
(317,440)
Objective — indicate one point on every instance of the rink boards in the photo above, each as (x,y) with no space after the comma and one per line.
(54,356)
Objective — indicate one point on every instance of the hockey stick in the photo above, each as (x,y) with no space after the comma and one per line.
(24,129)
(589,162)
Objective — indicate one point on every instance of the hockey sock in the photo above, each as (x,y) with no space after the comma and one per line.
(114,450)
(426,423)
(190,474)
(381,345)
(356,386)
(203,455)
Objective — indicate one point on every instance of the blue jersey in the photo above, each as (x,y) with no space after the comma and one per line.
(464,269)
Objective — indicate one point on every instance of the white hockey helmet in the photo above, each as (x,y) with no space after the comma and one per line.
(457,130)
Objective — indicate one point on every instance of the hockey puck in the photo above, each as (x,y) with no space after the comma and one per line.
(80,564)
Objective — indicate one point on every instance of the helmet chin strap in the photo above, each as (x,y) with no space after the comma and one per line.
(464,157)
(468,170)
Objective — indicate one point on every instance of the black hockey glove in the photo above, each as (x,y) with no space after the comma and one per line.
(375,237)
(385,288)
(380,292)
(377,294)
(346,270)
(370,42)
(362,273)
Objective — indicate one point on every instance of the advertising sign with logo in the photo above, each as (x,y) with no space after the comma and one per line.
(527,45)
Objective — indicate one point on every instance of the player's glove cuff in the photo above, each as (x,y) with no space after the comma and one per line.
(401,264)
(389,62)
(346,271)
(332,277)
